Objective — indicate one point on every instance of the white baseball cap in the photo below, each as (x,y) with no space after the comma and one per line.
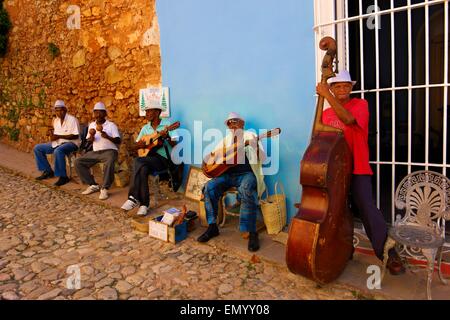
(59,104)
(342,76)
(233,115)
(100,106)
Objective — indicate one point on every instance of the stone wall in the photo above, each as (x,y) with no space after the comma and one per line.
(113,54)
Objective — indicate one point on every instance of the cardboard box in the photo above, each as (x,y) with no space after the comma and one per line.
(140,223)
(163,232)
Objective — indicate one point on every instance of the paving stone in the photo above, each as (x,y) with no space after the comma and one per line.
(123,286)
(82,293)
(8,242)
(181,282)
(107,293)
(20,274)
(10,295)
(8,287)
(49,274)
(184,258)
(50,295)
(4,277)
(128,271)
(33,295)
(38,267)
(29,286)
(135,280)
(51,261)
(155,294)
(224,289)
(104,282)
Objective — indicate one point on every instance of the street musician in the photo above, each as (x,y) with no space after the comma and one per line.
(154,157)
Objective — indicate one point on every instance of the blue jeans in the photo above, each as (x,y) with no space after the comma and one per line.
(247,188)
(40,154)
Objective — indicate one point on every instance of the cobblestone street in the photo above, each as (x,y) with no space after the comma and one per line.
(43,231)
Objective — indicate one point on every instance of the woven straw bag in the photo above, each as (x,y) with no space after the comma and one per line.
(273,209)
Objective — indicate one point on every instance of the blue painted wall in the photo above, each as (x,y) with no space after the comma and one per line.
(255,57)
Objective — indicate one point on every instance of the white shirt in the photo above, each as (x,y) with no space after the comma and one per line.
(101,143)
(69,126)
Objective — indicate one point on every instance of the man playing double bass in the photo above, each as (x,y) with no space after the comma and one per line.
(246,176)
(352,116)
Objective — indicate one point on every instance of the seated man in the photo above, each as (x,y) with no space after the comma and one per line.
(156,160)
(65,137)
(105,137)
(246,176)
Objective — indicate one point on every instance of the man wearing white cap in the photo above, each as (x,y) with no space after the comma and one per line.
(156,160)
(104,136)
(65,139)
(352,116)
(246,176)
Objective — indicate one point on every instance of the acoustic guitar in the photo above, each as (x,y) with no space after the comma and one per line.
(216,163)
(155,139)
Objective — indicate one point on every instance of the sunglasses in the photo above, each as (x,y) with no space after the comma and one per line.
(233,121)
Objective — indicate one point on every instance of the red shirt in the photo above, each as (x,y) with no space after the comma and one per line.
(356,134)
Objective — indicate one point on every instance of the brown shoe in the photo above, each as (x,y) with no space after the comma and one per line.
(395,265)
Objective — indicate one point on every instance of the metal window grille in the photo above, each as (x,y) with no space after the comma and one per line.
(398,51)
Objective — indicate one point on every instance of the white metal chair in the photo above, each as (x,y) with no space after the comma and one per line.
(425,198)
(229,211)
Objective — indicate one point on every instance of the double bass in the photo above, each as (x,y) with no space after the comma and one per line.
(320,239)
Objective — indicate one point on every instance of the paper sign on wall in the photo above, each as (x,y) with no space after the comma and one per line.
(154,97)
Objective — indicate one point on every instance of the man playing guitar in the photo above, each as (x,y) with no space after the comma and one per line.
(246,176)
(155,160)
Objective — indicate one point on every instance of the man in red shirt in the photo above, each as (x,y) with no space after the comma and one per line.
(352,116)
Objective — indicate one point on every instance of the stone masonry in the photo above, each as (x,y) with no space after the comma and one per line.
(113,54)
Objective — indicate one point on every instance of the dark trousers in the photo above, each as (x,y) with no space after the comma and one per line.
(91,158)
(142,167)
(372,218)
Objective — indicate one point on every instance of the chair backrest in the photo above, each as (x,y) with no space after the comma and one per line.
(425,197)
(85,145)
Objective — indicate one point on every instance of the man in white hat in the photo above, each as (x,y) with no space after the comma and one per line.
(157,160)
(65,139)
(245,174)
(104,136)
(352,116)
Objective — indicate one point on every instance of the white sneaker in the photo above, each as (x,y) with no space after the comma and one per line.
(143,210)
(129,204)
(103,194)
(91,189)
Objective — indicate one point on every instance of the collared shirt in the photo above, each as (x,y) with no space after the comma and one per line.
(148,129)
(101,143)
(70,126)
